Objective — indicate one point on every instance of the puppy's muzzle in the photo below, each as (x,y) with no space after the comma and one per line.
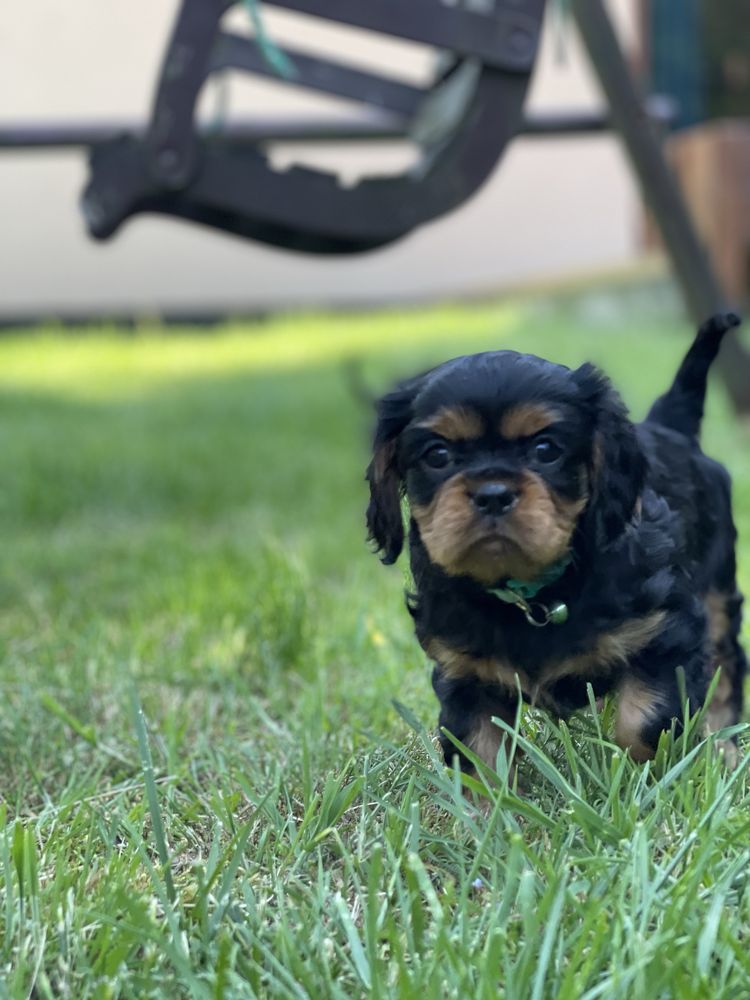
(494,499)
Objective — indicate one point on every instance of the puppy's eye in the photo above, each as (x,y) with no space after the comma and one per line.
(437,457)
(546,450)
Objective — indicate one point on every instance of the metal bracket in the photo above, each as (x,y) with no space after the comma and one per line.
(177,171)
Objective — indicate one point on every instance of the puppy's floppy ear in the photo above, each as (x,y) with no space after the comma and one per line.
(384,523)
(618,467)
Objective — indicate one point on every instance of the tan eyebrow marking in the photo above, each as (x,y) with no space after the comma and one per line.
(455,423)
(527,419)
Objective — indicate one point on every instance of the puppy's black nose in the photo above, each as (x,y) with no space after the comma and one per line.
(494,499)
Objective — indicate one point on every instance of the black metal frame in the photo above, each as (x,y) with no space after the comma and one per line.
(224,179)
(694,272)
(176,170)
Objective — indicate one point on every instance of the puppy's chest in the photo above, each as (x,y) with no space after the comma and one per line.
(552,665)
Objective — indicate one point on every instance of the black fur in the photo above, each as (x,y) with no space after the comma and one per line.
(623,465)
(384,522)
(654,541)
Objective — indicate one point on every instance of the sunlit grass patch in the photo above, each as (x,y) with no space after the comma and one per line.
(182,526)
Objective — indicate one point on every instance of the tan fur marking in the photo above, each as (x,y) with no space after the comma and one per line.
(535,534)
(382,460)
(729,752)
(449,525)
(637,705)
(541,525)
(491,670)
(456,423)
(609,649)
(527,419)
(718,619)
(487,739)
(721,711)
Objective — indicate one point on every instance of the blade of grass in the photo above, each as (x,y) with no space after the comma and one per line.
(152,795)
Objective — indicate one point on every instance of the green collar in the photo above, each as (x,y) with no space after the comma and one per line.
(521,592)
(529,589)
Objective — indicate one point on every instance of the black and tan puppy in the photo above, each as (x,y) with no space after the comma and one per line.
(555,544)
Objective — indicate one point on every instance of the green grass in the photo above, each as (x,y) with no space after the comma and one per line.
(205,787)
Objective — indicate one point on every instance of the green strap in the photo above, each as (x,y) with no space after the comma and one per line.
(529,589)
(274,56)
(520,593)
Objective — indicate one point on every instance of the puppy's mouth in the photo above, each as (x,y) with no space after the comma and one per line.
(494,540)
(521,543)
(494,554)
(487,549)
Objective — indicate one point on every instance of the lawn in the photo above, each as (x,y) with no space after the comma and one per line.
(183,533)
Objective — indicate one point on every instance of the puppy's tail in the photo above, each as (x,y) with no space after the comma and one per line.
(681,407)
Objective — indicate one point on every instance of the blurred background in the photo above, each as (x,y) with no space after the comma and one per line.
(554,208)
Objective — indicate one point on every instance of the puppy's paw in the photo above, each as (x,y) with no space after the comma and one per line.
(728,751)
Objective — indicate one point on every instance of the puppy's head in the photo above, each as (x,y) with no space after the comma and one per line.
(505,459)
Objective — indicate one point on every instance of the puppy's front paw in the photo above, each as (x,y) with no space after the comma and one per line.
(727,749)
